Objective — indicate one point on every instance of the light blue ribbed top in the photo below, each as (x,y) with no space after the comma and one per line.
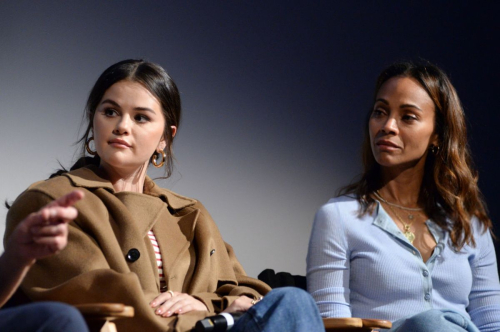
(365,267)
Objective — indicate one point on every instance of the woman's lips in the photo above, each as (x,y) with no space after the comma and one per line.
(385,145)
(119,143)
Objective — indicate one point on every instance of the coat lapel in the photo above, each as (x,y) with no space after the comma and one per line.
(174,236)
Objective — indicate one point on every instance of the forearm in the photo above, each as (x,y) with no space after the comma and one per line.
(12,272)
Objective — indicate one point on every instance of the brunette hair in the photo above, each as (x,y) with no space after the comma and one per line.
(449,188)
(156,80)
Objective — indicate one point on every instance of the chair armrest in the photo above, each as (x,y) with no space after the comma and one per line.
(376,323)
(106,311)
(354,324)
(335,323)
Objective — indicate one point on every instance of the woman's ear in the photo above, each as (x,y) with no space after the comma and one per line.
(163,144)
(434,140)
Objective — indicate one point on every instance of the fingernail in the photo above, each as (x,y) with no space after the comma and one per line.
(153,304)
(158,311)
(53,213)
(169,313)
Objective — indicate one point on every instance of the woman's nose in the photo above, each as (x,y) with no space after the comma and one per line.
(390,126)
(123,126)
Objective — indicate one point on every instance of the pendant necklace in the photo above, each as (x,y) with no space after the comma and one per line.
(407,232)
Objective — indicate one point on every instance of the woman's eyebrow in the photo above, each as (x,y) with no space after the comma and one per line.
(411,106)
(382,100)
(114,103)
(110,101)
(144,109)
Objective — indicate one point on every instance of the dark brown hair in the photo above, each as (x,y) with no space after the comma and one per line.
(449,188)
(156,80)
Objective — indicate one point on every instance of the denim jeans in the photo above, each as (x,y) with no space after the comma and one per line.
(42,317)
(283,309)
(434,320)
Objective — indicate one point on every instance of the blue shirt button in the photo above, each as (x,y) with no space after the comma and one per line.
(427,296)
(425,273)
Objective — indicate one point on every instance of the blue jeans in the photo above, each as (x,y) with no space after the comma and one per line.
(42,317)
(434,320)
(283,309)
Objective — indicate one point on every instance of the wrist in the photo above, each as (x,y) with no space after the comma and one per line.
(15,259)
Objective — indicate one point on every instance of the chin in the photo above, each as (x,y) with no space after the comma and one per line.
(388,162)
(118,162)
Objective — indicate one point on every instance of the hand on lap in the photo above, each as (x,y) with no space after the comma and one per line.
(167,305)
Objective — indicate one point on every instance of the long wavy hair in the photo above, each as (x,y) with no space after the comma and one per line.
(156,80)
(449,188)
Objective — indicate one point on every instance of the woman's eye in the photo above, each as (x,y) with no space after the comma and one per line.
(377,112)
(141,118)
(409,118)
(109,112)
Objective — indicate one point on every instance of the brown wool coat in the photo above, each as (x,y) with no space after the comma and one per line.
(93,266)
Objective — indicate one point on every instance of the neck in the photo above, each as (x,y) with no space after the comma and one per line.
(402,186)
(125,179)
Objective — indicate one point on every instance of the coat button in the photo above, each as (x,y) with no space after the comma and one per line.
(133,255)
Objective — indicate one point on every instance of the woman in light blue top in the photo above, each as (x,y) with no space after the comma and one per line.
(410,241)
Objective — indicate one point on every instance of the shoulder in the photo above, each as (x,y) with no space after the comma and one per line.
(337,216)
(180,204)
(35,197)
(482,235)
(174,200)
(342,206)
(50,188)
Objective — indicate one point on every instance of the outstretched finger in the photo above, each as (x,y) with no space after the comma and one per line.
(57,214)
(68,199)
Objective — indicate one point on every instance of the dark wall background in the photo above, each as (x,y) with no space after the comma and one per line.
(274,96)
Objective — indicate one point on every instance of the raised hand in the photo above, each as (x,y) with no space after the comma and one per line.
(45,232)
(39,235)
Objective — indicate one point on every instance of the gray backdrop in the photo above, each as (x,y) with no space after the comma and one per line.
(274,96)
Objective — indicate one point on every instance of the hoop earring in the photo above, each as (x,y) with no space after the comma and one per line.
(434,149)
(87,146)
(154,159)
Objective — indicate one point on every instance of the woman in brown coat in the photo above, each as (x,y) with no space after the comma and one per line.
(139,244)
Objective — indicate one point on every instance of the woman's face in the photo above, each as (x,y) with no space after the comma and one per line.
(128,127)
(401,125)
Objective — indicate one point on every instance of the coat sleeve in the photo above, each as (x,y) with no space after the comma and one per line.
(231,281)
(328,263)
(484,299)
(81,274)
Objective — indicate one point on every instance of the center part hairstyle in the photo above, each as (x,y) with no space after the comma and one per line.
(156,80)
(449,188)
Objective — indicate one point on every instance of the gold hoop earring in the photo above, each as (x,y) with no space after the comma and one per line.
(154,159)
(87,146)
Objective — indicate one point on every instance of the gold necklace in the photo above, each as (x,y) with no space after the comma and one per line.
(407,232)
(410,215)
